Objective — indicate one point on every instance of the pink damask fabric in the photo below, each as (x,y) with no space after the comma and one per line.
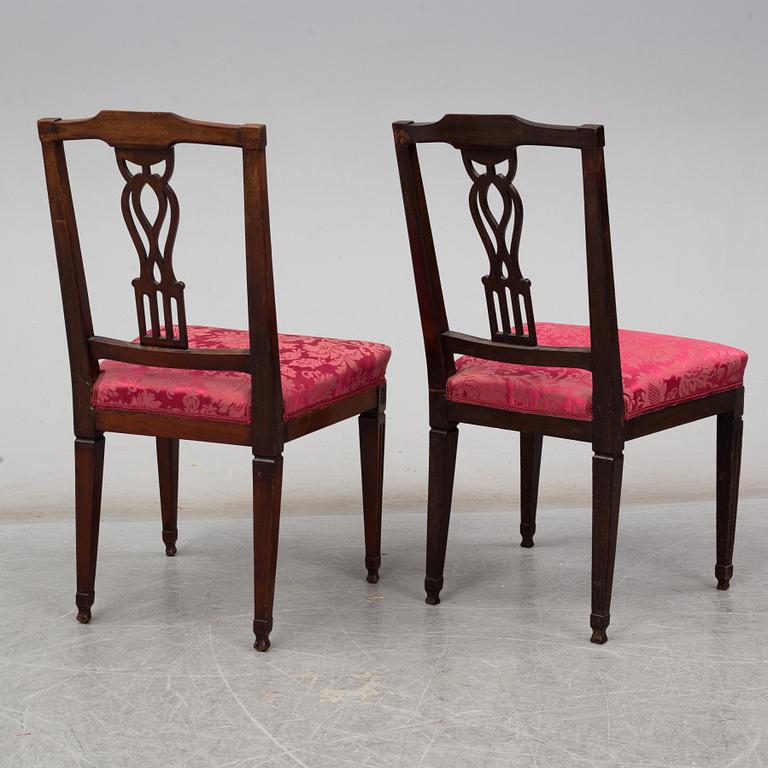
(657,371)
(315,371)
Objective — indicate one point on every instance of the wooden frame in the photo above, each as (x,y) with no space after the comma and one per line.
(488,140)
(144,139)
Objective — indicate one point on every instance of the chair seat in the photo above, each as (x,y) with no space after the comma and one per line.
(657,371)
(315,371)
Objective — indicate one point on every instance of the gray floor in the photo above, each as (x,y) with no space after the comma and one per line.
(500,674)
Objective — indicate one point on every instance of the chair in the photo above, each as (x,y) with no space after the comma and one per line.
(182,382)
(597,384)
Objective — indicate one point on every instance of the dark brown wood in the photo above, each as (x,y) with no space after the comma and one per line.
(606,496)
(89,466)
(507,292)
(156,288)
(151,129)
(552,426)
(179,427)
(371,425)
(325,416)
(498,132)
(168,475)
(565,357)
(442,465)
(729,432)
(486,143)
(267,487)
(530,469)
(104,348)
(146,140)
(683,413)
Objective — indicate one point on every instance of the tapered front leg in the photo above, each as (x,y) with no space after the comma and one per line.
(168,474)
(606,496)
(729,431)
(530,468)
(371,426)
(89,465)
(267,487)
(442,466)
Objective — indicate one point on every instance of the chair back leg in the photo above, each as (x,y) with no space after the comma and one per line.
(168,475)
(89,466)
(442,466)
(606,497)
(371,425)
(729,432)
(530,468)
(267,488)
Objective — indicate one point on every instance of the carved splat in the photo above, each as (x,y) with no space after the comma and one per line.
(507,292)
(159,295)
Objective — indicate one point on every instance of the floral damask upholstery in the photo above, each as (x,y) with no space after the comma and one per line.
(315,371)
(657,371)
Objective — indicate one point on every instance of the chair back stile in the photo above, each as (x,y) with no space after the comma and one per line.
(144,140)
(487,142)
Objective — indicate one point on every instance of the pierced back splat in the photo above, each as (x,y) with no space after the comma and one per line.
(156,286)
(505,287)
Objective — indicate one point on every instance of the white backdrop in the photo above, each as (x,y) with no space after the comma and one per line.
(680,88)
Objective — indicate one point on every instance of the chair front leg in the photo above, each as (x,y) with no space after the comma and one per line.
(442,466)
(606,497)
(89,465)
(729,432)
(372,426)
(168,475)
(267,488)
(530,468)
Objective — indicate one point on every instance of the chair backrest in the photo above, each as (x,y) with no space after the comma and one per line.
(487,143)
(143,141)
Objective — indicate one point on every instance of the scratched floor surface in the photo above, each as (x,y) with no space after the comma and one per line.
(500,674)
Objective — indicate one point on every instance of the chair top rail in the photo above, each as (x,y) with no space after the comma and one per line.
(151,129)
(496,131)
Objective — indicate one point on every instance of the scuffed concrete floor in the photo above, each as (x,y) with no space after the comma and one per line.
(500,674)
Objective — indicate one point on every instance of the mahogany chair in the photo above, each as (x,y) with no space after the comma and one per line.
(597,384)
(181,382)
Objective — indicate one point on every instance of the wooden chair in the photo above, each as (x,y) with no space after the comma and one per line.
(597,384)
(255,387)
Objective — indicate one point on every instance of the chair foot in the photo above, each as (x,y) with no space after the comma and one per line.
(433,587)
(261,643)
(527,530)
(372,565)
(84,615)
(261,630)
(169,539)
(723,574)
(84,601)
(599,624)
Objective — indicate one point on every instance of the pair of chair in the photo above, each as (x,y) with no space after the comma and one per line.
(597,384)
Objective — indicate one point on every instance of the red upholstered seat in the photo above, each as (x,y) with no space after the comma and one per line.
(657,371)
(315,371)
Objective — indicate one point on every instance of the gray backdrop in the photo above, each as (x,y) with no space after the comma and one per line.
(679,86)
